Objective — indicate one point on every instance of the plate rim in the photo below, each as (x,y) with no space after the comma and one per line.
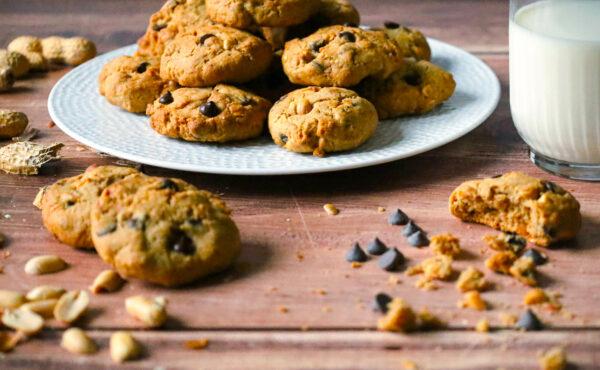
(195,168)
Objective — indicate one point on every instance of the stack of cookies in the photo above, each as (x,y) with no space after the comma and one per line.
(209,70)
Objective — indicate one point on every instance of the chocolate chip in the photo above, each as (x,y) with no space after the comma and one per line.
(318,66)
(70,203)
(537,257)
(283,138)
(135,223)
(376,247)
(517,242)
(158,26)
(551,187)
(413,79)
(549,231)
(210,109)
(166,99)
(168,184)
(497,176)
(529,321)
(350,24)
(142,67)
(107,230)
(398,218)
(380,302)
(356,254)
(418,239)
(181,243)
(317,45)
(391,25)
(391,260)
(410,228)
(205,37)
(348,36)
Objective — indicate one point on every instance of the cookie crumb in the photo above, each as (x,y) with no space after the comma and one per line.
(400,317)
(300,256)
(196,344)
(428,321)
(356,265)
(471,279)
(524,270)
(482,326)
(445,244)
(472,300)
(380,209)
(553,359)
(394,280)
(326,309)
(507,319)
(320,291)
(433,268)
(283,309)
(331,209)
(409,365)
(501,262)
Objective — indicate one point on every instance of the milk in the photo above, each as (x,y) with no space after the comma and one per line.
(555,78)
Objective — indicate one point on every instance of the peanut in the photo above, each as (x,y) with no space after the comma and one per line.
(124,347)
(11,299)
(12,123)
(45,265)
(44,308)
(15,61)
(77,341)
(26,321)
(71,51)
(31,48)
(106,282)
(150,311)
(43,292)
(7,79)
(71,306)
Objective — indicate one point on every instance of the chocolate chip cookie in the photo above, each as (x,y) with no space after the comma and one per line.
(265,13)
(329,13)
(539,210)
(415,88)
(220,114)
(322,120)
(340,56)
(411,42)
(66,204)
(132,82)
(206,56)
(163,231)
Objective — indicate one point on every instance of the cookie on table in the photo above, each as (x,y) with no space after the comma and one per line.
(412,43)
(173,17)
(538,210)
(416,88)
(329,13)
(66,204)
(163,231)
(322,120)
(245,14)
(213,114)
(206,56)
(340,56)
(132,82)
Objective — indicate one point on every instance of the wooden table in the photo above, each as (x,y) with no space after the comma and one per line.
(292,248)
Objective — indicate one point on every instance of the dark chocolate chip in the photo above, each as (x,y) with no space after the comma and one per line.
(413,79)
(517,242)
(317,45)
(549,231)
(158,26)
(166,99)
(551,187)
(391,25)
(348,36)
(350,24)
(135,223)
(410,228)
(107,230)
(318,66)
(168,184)
(376,247)
(529,321)
(210,109)
(398,218)
(497,176)
(356,254)
(205,37)
(70,203)
(283,138)
(537,257)
(380,302)
(391,260)
(142,67)
(181,243)
(418,239)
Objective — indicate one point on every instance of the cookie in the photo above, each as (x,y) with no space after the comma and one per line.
(322,120)
(416,88)
(173,17)
(329,13)
(220,114)
(539,210)
(163,231)
(411,42)
(66,204)
(265,13)
(340,56)
(209,55)
(132,82)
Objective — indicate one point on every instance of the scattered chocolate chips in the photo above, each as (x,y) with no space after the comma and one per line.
(142,67)
(376,247)
(391,25)
(391,260)
(380,302)
(317,45)
(166,99)
(158,26)
(348,36)
(413,79)
(181,243)
(410,228)
(283,138)
(398,218)
(107,230)
(537,257)
(517,242)
(210,109)
(205,37)
(135,223)
(168,184)
(529,321)
(356,254)
(418,239)
(551,187)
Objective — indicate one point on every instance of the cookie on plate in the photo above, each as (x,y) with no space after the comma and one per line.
(66,204)
(213,114)
(163,231)
(322,120)
(132,82)
(340,56)
(206,56)
(416,88)
(265,13)
(412,43)
(538,210)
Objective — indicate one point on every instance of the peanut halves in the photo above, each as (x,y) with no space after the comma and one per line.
(150,311)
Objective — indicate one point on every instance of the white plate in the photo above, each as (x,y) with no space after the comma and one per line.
(78,109)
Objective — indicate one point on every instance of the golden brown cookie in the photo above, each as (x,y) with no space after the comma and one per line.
(539,210)
(209,55)
(66,204)
(340,56)
(329,13)
(412,43)
(164,231)
(219,114)
(245,14)
(415,88)
(132,82)
(322,120)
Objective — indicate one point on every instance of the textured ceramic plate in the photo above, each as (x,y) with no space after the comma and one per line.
(78,109)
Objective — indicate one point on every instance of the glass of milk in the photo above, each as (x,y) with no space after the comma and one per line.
(555,83)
